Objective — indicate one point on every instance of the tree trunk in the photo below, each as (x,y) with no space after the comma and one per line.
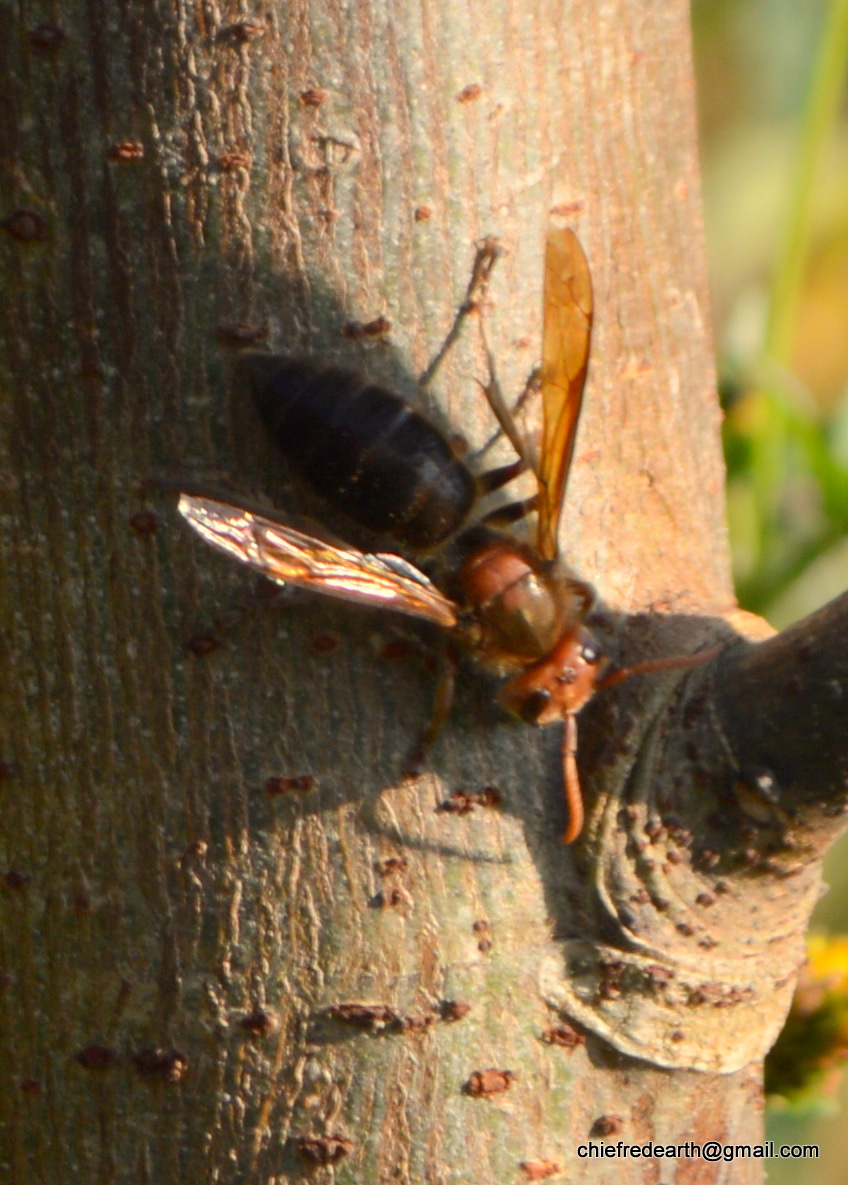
(235,944)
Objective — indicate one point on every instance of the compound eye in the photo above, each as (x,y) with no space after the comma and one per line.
(590,652)
(534,706)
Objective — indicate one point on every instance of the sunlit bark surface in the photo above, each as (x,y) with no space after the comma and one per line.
(209,854)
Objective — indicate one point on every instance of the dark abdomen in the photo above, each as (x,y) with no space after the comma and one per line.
(364,449)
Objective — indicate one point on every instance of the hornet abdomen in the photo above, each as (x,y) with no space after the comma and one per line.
(364,449)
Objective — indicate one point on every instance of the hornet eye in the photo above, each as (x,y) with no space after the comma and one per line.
(534,706)
(590,652)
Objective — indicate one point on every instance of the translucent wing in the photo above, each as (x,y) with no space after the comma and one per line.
(289,556)
(565,359)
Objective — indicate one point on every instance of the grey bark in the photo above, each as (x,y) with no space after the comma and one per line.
(174,935)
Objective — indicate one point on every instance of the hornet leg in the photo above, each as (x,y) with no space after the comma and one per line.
(573,794)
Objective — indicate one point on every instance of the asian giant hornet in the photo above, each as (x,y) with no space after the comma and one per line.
(514,608)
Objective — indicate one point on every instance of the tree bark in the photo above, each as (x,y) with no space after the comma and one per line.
(209,856)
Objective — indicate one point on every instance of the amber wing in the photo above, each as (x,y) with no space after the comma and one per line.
(290,556)
(565,359)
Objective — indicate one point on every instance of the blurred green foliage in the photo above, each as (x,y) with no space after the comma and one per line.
(771,79)
(805,1065)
